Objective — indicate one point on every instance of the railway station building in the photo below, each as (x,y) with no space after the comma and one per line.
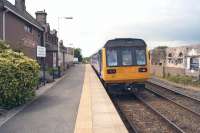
(19,29)
(183,60)
(22,31)
(51,40)
(66,56)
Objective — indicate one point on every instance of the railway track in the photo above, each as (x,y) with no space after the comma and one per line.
(190,103)
(182,116)
(141,116)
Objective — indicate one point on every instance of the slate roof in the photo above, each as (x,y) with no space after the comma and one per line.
(22,14)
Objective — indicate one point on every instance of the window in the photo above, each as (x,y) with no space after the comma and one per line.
(170,55)
(180,54)
(28,28)
(112,57)
(127,57)
(194,64)
(140,56)
(180,61)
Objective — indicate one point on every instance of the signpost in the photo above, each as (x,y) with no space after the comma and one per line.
(41,51)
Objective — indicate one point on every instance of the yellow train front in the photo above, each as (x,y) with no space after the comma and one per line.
(123,61)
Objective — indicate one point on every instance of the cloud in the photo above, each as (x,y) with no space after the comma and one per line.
(95,21)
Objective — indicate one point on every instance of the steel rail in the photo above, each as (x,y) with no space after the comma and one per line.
(173,125)
(175,91)
(180,105)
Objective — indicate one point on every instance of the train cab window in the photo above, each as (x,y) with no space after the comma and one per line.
(140,57)
(127,57)
(112,57)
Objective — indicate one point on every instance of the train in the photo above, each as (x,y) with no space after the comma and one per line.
(123,61)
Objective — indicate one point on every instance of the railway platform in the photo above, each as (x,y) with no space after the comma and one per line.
(60,110)
(96,113)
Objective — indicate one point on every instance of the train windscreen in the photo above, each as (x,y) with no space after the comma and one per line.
(127,59)
(126,56)
(140,56)
(112,57)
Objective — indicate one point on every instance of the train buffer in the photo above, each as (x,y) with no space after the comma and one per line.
(97,113)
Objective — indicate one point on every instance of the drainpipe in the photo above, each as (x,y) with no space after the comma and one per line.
(4,24)
(44,58)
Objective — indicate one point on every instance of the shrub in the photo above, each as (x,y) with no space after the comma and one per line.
(18,77)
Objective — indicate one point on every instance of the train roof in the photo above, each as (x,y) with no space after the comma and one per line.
(119,42)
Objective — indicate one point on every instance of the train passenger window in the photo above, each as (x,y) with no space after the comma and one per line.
(140,57)
(112,57)
(127,57)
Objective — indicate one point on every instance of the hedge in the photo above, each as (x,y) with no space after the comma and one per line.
(19,76)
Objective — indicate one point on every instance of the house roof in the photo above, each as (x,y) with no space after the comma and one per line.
(22,14)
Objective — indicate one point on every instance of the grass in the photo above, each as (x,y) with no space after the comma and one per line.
(184,80)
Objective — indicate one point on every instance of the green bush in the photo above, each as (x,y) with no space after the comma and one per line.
(18,77)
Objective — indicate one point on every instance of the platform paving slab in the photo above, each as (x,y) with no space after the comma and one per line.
(97,113)
(53,112)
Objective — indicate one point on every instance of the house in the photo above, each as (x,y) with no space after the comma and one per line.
(183,60)
(22,32)
(158,58)
(175,60)
(158,55)
(192,59)
(51,40)
(20,29)
(66,56)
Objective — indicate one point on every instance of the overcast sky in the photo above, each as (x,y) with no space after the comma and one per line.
(158,22)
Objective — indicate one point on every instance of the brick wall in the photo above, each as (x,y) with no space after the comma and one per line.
(160,71)
(174,71)
(49,59)
(19,39)
(157,70)
(1,23)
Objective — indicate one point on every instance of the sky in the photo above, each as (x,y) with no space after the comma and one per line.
(158,22)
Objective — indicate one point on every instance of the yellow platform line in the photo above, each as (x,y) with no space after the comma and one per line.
(96,112)
(84,117)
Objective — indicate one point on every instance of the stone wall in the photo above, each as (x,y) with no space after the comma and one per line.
(174,71)
(157,70)
(161,71)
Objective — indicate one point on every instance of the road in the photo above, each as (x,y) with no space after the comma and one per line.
(53,112)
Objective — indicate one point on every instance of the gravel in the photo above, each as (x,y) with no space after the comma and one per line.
(144,119)
(186,120)
(178,98)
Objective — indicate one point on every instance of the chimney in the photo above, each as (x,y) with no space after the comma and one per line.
(41,17)
(20,4)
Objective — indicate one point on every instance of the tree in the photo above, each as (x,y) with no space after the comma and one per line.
(78,54)
(86,60)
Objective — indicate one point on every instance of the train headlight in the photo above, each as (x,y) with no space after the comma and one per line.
(111,71)
(142,70)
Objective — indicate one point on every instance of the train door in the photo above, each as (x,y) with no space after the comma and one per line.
(100,61)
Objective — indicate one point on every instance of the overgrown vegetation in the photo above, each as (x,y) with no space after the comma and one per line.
(18,77)
(184,80)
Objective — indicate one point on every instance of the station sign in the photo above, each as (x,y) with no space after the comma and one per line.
(41,51)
